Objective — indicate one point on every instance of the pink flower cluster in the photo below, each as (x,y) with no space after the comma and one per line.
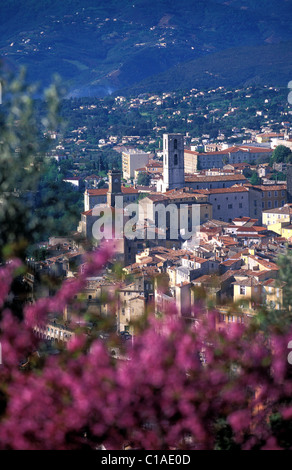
(178,384)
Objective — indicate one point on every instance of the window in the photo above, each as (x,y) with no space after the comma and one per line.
(175,159)
(269,204)
(263,205)
(175,144)
(276,193)
(242,290)
(240,205)
(219,207)
(276,203)
(282,203)
(230,206)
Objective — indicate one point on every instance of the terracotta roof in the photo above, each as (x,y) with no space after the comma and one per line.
(207,179)
(287,209)
(104,191)
(265,263)
(272,187)
(251,273)
(232,189)
(154,164)
(230,262)
(273,283)
(243,219)
(270,134)
(204,279)
(87,212)
(129,190)
(91,177)
(237,165)
(97,192)
(235,149)
(184,283)
(255,149)
(239,228)
(250,282)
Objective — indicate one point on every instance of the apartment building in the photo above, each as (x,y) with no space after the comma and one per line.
(132,159)
(273,196)
(234,202)
(280,215)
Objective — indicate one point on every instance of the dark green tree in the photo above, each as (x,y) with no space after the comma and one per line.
(255,179)
(143,179)
(281,154)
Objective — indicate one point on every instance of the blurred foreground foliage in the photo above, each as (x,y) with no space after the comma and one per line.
(34,201)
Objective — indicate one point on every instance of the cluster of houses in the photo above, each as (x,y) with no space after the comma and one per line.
(228,261)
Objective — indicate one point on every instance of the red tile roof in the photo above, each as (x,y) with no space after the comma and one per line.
(207,179)
(104,191)
(272,187)
(242,148)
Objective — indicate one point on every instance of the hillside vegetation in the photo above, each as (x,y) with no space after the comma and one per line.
(102,46)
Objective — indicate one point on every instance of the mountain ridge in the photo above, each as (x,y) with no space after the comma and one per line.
(99,47)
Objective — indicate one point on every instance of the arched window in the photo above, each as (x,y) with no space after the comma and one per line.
(175,159)
(175,144)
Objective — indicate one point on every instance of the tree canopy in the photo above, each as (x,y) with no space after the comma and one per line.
(281,154)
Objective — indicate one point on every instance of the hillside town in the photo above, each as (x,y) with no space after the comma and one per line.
(145,228)
(225,259)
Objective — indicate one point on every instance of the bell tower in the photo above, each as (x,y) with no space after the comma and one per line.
(115,186)
(173,161)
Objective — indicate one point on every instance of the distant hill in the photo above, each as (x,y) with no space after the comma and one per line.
(101,46)
(269,64)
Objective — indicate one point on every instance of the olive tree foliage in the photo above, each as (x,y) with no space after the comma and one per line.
(24,142)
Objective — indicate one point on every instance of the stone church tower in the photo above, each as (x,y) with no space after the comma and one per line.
(173,162)
(114,188)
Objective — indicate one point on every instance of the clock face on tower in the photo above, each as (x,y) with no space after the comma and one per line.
(116,180)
